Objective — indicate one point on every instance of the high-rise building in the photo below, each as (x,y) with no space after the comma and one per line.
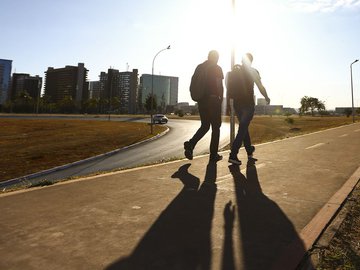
(22,82)
(94,89)
(5,79)
(121,85)
(165,89)
(70,81)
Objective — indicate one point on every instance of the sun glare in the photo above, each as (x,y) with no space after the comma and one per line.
(248,28)
(214,24)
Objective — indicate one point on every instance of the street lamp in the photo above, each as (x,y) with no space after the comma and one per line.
(152,88)
(352,93)
(231,101)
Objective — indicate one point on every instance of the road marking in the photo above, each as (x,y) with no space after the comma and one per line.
(315,146)
(357,130)
(344,135)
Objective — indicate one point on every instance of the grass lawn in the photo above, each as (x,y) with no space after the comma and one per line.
(29,146)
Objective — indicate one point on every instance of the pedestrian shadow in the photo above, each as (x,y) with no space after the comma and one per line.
(265,231)
(180,237)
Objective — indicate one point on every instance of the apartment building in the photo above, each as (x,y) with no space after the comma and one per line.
(121,85)
(22,82)
(5,79)
(68,81)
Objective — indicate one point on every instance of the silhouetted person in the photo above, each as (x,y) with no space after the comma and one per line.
(209,108)
(240,86)
(267,234)
(180,238)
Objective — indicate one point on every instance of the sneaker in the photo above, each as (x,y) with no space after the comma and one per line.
(250,154)
(234,160)
(216,158)
(188,150)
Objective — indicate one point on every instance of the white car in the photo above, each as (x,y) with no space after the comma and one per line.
(160,119)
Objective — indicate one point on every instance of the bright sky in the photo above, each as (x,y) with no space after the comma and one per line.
(299,47)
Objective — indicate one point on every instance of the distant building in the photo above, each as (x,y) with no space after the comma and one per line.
(68,81)
(22,82)
(261,101)
(94,89)
(269,109)
(186,108)
(343,110)
(121,85)
(165,89)
(5,79)
(289,110)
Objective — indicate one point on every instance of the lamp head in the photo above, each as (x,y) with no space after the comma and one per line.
(168,47)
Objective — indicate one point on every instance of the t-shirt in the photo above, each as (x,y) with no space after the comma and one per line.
(243,86)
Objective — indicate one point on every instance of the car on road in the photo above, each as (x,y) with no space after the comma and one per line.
(160,119)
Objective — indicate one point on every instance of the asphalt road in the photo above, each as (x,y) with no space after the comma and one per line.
(167,147)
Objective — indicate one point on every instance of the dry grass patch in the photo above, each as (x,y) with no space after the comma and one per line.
(29,146)
(267,128)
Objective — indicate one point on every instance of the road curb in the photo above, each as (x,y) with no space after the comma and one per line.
(294,254)
(24,180)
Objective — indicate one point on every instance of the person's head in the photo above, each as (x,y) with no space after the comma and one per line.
(247,59)
(213,56)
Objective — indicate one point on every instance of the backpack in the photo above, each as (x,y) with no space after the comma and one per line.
(240,84)
(198,82)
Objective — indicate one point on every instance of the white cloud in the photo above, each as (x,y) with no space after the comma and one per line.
(325,6)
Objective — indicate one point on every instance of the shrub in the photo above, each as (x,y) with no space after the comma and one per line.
(289,120)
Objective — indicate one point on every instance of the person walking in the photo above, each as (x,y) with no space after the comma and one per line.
(209,108)
(240,86)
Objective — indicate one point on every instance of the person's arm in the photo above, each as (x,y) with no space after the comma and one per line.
(261,87)
(219,83)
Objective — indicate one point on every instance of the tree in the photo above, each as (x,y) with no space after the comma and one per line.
(162,105)
(348,112)
(67,105)
(148,102)
(312,104)
(91,105)
(23,103)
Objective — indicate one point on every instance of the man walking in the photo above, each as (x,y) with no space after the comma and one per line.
(209,108)
(241,88)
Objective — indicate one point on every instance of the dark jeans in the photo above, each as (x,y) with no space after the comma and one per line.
(210,114)
(244,114)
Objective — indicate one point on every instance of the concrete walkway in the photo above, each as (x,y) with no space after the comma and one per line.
(187,214)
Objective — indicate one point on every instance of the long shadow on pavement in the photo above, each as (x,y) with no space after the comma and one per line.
(267,236)
(180,237)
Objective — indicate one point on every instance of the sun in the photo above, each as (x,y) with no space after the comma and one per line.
(249,26)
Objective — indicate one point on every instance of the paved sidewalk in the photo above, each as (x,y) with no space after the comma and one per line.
(185,214)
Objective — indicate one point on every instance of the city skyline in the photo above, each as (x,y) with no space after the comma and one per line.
(300,47)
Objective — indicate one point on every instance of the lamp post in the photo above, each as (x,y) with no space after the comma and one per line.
(352,93)
(231,101)
(38,96)
(152,88)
